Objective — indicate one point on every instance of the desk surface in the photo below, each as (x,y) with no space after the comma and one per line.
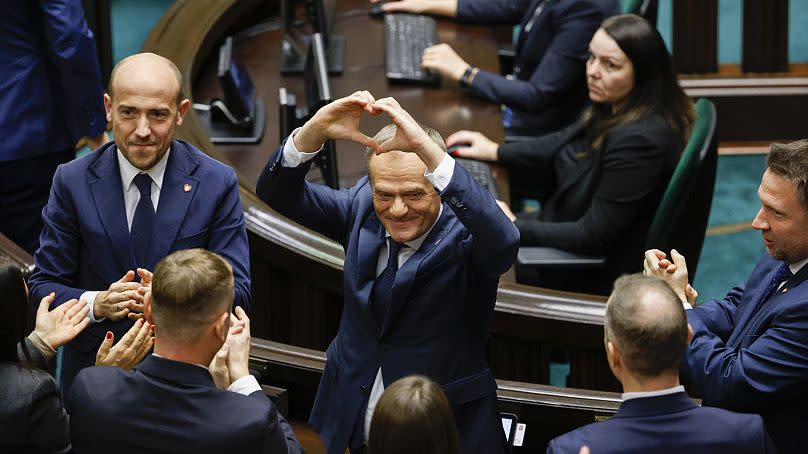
(446,108)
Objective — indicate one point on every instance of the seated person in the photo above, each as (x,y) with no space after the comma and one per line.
(646,335)
(547,91)
(413,415)
(170,402)
(32,417)
(599,181)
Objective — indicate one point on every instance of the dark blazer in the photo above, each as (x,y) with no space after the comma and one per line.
(752,356)
(599,202)
(549,88)
(32,418)
(85,243)
(171,407)
(443,300)
(670,424)
(51,92)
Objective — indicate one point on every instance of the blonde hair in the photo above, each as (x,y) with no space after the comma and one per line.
(189,289)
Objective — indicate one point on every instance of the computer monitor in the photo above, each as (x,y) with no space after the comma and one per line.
(318,94)
(237,88)
(320,14)
(239,116)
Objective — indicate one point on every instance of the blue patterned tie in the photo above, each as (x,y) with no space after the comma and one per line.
(143,221)
(783,274)
(382,291)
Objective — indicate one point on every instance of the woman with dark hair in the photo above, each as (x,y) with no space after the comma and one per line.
(413,416)
(32,417)
(599,181)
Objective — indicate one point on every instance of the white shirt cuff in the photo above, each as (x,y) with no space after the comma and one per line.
(89,299)
(687,306)
(291,156)
(245,385)
(443,173)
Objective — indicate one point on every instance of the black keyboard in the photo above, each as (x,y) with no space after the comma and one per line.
(405,38)
(481,173)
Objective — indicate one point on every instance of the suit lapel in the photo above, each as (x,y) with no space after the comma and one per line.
(751,307)
(406,274)
(755,311)
(178,190)
(107,194)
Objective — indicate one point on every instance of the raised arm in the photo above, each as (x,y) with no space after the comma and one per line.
(282,184)
(561,68)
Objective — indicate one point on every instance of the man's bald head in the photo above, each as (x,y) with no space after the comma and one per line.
(645,320)
(147,65)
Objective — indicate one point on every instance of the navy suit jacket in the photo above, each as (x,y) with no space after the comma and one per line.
(549,89)
(667,424)
(85,243)
(753,357)
(51,92)
(171,407)
(443,300)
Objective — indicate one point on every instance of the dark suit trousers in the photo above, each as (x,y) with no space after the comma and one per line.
(24,188)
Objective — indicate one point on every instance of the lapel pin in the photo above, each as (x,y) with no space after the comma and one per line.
(187,187)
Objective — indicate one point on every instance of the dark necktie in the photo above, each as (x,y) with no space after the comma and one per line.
(382,292)
(783,274)
(143,221)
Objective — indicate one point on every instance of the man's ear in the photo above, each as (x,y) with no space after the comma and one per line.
(108,106)
(182,110)
(689,333)
(221,326)
(613,356)
(147,307)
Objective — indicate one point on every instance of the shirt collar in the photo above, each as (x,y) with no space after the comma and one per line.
(197,365)
(416,243)
(661,392)
(129,172)
(795,267)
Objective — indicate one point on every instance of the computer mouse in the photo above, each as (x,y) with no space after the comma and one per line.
(376,11)
(451,150)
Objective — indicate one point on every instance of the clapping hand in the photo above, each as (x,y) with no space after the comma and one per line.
(674,273)
(145,285)
(122,298)
(130,350)
(61,325)
(218,366)
(238,355)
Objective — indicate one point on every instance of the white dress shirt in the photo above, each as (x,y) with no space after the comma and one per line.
(131,196)
(440,178)
(661,392)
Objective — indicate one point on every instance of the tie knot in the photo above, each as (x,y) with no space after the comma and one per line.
(783,273)
(143,182)
(395,247)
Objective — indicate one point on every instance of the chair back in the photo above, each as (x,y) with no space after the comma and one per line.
(644,8)
(681,218)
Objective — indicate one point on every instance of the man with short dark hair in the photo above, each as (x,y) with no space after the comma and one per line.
(750,350)
(170,402)
(424,248)
(646,334)
(112,215)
